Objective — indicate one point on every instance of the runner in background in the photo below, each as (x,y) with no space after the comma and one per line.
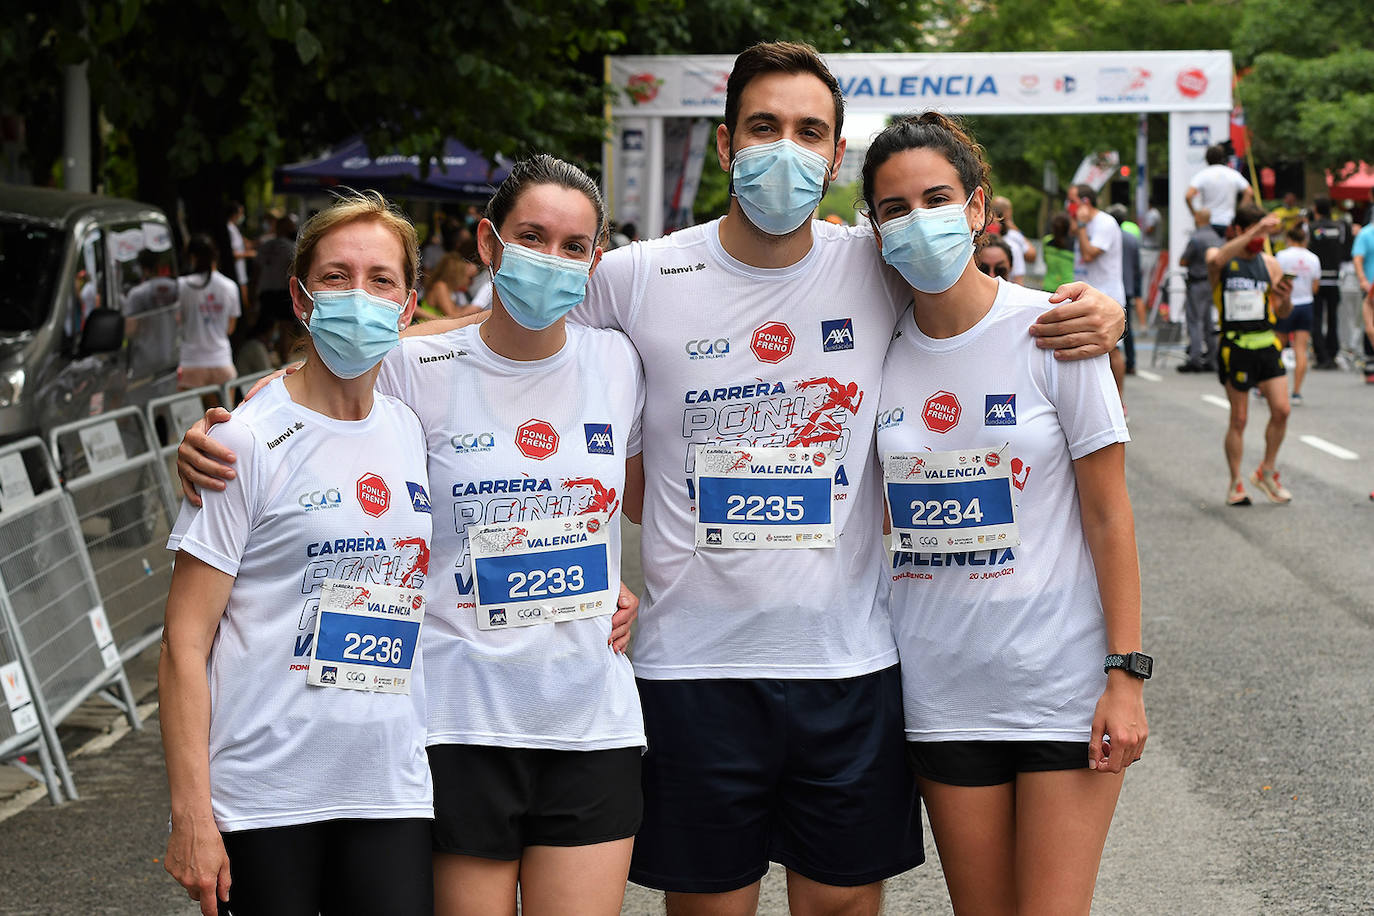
(259,689)
(1018,630)
(1306,271)
(209,312)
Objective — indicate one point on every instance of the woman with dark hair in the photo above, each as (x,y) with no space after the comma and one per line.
(209,311)
(1058,252)
(1016,588)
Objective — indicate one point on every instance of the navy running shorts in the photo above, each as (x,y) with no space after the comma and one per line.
(1300,319)
(992,763)
(493,802)
(808,773)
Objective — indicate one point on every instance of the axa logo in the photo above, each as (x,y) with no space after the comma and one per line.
(329,498)
(600,440)
(837,334)
(999,410)
(419,499)
(707,348)
(473,442)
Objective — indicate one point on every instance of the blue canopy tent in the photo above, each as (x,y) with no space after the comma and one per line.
(460,175)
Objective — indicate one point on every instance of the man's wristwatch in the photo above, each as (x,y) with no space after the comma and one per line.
(1136,664)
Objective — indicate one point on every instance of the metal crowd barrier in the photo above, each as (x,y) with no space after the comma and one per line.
(111,468)
(235,390)
(50,606)
(168,419)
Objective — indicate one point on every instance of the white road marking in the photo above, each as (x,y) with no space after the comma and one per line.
(1148,376)
(1217,402)
(1330,448)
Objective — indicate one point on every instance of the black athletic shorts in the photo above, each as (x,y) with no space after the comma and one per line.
(808,773)
(1300,319)
(992,763)
(1245,369)
(493,802)
(331,867)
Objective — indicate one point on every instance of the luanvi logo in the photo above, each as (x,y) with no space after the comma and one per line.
(286,434)
(449,355)
(669,271)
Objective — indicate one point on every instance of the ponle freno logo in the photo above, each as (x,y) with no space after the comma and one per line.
(643,87)
(773,342)
(373,495)
(536,439)
(1191,83)
(941,413)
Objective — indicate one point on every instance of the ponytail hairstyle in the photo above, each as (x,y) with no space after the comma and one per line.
(545,169)
(200,251)
(938,131)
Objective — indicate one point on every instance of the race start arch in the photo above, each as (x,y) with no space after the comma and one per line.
(662,108)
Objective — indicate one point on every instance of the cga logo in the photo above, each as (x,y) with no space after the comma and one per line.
(707,348)
(837,334)
(320,499)
(891,417)
(473,442)
(744,536)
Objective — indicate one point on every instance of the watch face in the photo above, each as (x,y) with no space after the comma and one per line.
(1141,665)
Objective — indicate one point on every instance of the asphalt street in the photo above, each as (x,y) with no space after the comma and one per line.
(1255,791)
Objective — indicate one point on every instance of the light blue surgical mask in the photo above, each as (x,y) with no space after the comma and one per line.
(537,289)
(778,184)
(352,329)
(929,247)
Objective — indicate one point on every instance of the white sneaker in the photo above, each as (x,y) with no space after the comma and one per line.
(1268,481)
(1236,495)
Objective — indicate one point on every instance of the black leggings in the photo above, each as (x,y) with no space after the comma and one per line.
(331,867)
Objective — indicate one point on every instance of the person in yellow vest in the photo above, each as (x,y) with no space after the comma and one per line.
(1251,293)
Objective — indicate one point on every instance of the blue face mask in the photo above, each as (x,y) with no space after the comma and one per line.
(930,248)
(778,184)
(537,289)
(352,329)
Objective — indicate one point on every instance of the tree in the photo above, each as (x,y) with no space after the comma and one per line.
(1309,92)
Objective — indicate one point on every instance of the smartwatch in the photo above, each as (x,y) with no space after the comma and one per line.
(1136,664)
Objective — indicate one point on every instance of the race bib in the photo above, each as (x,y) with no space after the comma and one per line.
(763,497)
(1244,304)
(542,571)
(950,502)
(366,636)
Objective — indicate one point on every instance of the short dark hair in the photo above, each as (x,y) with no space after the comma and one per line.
(1323,207)
(929,130)
(1298,234)
(1216,154)
(544,169)
(1086,193)
(1247,215)
(779,57)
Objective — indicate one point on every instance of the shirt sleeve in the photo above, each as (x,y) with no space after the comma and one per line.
(610,291)
(1238,180)
(393,378)
(1089,407)
(634,443)
(217,533)
(1101,235)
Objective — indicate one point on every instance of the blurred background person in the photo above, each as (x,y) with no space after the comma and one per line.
(209,310)
(1306,270)
(1058,252)
(273,267)
(1202,334)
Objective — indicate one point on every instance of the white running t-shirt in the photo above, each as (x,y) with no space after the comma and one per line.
(1106,270)
(740,354)
(283,752)
(1219,187)
(1005,643)
(205,314)
(1306,268)
(555,685)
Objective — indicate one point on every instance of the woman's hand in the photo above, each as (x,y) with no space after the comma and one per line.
(1087,324)
(1119,726)
(627,612)
(197,860)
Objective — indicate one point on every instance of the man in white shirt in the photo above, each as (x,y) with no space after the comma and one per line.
(1097,257)
(1218,188)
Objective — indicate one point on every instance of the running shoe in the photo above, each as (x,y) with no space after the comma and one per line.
(1295,399)
(1236,496)
(1268,481)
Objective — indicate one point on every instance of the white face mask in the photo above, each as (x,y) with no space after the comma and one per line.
(929,247)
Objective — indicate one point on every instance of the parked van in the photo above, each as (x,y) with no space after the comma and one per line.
(88,307)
